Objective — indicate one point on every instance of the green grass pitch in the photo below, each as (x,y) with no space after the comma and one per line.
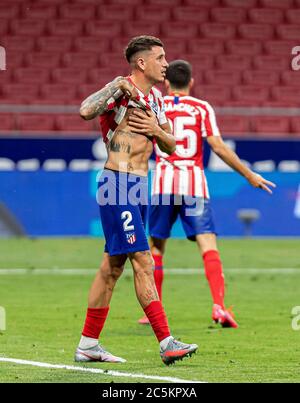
(45,313)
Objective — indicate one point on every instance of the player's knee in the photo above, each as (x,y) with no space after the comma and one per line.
(143,264)
(111,274)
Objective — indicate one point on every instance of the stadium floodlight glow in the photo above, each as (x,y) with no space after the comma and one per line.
(296,59)
(2,58)
(2,319)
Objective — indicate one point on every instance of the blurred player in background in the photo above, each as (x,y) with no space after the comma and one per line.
(181,175)
(132,116)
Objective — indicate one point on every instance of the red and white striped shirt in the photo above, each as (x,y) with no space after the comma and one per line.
(116,110)
(182,173)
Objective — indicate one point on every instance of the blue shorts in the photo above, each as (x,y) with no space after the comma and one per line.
(123,200)
(195,213)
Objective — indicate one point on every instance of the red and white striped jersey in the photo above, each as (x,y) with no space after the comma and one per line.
(116,110)
(182,173)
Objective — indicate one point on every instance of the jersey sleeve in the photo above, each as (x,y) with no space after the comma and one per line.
(209,125)
(162,118)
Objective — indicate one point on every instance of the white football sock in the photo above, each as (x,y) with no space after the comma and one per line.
(87,342)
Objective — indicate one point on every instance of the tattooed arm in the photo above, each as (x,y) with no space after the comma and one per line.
(96,104)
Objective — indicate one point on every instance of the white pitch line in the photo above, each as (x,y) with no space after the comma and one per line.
(96,371)
(172,272)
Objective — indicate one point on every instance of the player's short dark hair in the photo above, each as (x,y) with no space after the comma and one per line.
(140,44)
(179,73)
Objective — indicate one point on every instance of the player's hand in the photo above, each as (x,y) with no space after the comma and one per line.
(128,89)
(258,181)
(143,122)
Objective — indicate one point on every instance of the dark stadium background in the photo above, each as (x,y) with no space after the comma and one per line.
(59,51)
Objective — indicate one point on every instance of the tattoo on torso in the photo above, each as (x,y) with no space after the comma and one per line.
(120,146)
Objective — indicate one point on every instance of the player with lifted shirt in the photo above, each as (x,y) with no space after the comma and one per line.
(180,178)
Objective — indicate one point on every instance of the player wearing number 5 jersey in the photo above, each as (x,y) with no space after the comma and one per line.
(180,177)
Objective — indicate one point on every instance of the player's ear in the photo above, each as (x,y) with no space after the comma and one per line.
(191,84)
(140,63)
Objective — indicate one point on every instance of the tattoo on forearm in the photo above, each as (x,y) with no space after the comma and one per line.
(118,147)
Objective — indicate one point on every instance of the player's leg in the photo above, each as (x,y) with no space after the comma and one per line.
(158,247)
(170,349)
(100,295)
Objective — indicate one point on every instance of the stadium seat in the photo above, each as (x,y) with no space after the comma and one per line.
(5,76)
(289,32)
(293,16)
(270,124)
(141,28)
(280,47)
(85,12)
(286,94)
(271,63)
(251,93)
(190,14)
(114,59)
(85,90)
(153,14)
(260,32)
(281,4)
(50,2)
(17,43)
(238,3)
(3,26)
(214,94)
(180,30)
(201,3)
(233,63)
(103,75)
(218,31)
(9,11)
(266,16)
(115,13)
(48,60)
(15,60)
(36,122)
(261,78)
(20,92)
(222,78)
(295,125)
(126,2)
(174,46)
(69,75)
(206,47)
(199,62)
(83,60)
(103,29)
(226,15)
(7,121)
(290,78)
(74,123)
(65,27)
(58,93)
(91,44)
(28,27)
(31,75)
(56,44)
(243,47)
(230,125)
(39,11)
(118,44)
(166,3)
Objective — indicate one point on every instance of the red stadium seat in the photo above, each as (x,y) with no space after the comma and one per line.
(86,12)
(31,75)
(271,63)
(119,44)
(6,76)
(202,3)
(50,2)
(18,44)
(286,95)
(174,46)
(267,78)
(69,75)
(115,13)
(166,3)
(56,44)
(39,11)
(243,47)
(270,124)
(36,122)
(15,60)
(238,3)
(218,31)
(230,78)
(141,28)
(290,78)
(229,125)
(114,59)
(288,32)
(280,48)
(124,2)
(180,30)
(9,11)
(74,123)
(282,4)
(295,125)
(91,44)
(153,14)
(3,27)
(233,63)
(103,75)
(261,32)
(190,14)
(83,60)
(85,90)
(251,93)
(27,27)
(206,47)
(7,122)
(48,60)
(58,93)
(20,92)
(293,16)
(103,29)
(65,28)
(213,94)
(227,15)
(266,16)
(199,62)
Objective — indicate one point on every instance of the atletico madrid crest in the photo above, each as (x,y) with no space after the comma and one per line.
(131,238)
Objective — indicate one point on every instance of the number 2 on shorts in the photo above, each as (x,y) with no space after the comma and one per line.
(127,216)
